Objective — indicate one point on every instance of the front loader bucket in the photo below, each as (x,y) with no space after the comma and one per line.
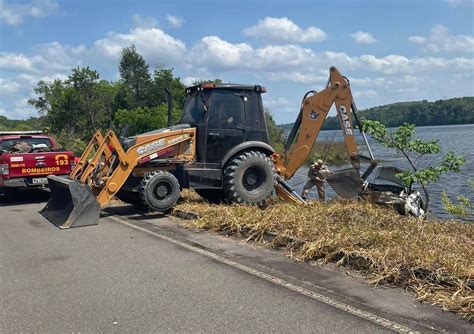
(72,204)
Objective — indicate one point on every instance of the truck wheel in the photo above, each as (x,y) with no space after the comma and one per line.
(211,195)
(248,178)
(159,191)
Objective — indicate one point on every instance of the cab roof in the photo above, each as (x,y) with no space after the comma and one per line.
(232,86)
(5,135)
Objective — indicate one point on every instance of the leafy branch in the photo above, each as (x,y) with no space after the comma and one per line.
(413,150)
(464,208)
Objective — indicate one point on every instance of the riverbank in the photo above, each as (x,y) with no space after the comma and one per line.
(432,258)
(331,152)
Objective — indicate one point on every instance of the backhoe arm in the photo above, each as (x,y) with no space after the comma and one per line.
(313,112)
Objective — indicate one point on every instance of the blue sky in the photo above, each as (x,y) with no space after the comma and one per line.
(391,50)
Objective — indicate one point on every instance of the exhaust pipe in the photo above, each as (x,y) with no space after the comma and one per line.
(72,203)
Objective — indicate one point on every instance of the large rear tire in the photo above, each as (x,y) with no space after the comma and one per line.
(214,196)
(248,178)
(159,191)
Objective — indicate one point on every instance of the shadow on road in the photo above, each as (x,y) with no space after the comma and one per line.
(131,211)
(21,197)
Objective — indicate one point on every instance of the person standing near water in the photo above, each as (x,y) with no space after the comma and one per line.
(316,174)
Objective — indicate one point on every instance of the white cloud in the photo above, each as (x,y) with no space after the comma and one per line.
(282,104)
(362,37)
(375,79)
(298,76)
(284,30)
(8,87)
(144,22)
(213,56)
(49,58)
(214,53)
(21,72)
(417,39)
(456,3)
(174,21)
(153,43)
(14,13)
(188,81)
(440,40)
(15,62)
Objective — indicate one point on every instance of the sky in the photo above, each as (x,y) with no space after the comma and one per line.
(392,51)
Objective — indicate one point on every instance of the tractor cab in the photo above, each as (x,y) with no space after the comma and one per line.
(225,116)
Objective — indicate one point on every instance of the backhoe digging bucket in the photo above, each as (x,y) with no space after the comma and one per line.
(346,183)
(72,204)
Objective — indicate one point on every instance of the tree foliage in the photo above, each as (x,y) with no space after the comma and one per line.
(32,123)
(413,150)
(276,135)
(135,74)
(464,208)
(141,120)
(421,113)
(163,78)
(73,108)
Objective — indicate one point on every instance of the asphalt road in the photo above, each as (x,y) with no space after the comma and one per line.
(114,278)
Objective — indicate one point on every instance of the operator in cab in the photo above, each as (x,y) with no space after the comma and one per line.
(317,174)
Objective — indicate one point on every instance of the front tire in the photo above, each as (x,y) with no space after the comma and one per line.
(159,191)
(248,178)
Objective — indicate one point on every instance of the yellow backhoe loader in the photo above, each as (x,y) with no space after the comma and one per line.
(220,149)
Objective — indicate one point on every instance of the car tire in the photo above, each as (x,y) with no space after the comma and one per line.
(159,191)
(249,178)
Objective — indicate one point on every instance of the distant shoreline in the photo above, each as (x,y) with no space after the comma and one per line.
(455,111)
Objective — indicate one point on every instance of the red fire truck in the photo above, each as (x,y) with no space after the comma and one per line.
(28,157)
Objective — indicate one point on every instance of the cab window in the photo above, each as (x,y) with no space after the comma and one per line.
(226,110)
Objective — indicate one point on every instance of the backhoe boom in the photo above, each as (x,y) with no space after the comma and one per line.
(313,112)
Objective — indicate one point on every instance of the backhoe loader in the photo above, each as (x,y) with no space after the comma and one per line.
(220,149)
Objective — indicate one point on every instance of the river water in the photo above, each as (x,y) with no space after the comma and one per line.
(459,138)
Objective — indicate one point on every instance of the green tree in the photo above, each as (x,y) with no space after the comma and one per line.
(441,112)
(413,150)
(464,208)
(72,109)
(141,120)
(135,74)
(203,81)
(163,78)
(276,136)
(56,102)
(86,90)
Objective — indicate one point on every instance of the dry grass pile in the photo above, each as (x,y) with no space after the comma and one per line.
(434,259)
